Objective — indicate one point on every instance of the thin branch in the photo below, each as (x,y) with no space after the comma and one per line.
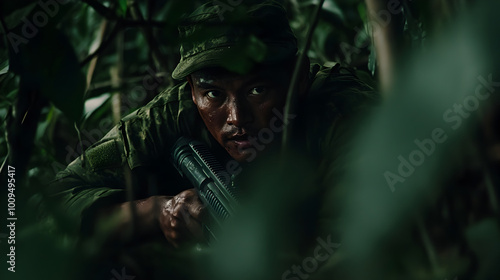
(102,10)
(430,249)
(109,14)
(158,56)
(116,78)
(291,101)
(103,87)
(121,23)
(93,62)
(388,40)
(103,46)
(149,13)
(142,23)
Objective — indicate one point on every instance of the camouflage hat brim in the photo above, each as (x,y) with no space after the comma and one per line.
(237,59)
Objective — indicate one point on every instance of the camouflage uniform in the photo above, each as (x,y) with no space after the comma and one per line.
(140,144)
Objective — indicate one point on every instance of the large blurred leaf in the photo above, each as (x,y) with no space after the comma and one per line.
(484,239)
(52,69)
(93,104)
(18,15)
(332,7)
(430,83)
(4,67)
(8,87)
(123,6)
(14,11)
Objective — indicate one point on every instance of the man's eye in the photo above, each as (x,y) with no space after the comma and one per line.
(213,94)
(258,91)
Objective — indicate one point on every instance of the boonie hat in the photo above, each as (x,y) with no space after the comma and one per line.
(236,39)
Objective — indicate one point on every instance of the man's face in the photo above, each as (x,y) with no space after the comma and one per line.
(236,107)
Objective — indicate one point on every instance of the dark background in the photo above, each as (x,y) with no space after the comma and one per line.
(70,70)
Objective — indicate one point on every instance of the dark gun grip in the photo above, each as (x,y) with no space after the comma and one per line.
(198,165)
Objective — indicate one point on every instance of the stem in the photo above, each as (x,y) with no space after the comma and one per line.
(103,46)
(158,56)
(105,87)
(387,37)
(291,101)
(428,246)
(101,9)
(116,80)
(21,130)
(93,62)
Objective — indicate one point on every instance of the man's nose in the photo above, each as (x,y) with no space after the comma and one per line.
(240,113)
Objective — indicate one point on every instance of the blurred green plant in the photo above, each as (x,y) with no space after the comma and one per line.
(85,65)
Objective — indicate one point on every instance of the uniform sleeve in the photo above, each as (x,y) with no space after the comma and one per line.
(141,141)
(91,181)
(339,103)
(152,130)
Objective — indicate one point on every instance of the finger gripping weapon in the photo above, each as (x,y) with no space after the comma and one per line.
(212,182)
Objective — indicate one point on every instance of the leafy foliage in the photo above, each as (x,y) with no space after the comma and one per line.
(87,63)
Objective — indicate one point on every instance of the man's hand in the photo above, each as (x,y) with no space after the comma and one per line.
(180,218)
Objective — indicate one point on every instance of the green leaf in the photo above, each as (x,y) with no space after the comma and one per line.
(4,67)
(11,95)
(332,7)
(484,240)
(362,12)
(53,70)
(93,104)
(123,6)
(14,11)
(372,60)
(9,87)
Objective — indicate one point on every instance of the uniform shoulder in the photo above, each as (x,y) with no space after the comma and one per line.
(171,96)
(346,88)
(150,131)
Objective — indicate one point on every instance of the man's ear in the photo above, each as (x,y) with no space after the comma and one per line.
(190,82)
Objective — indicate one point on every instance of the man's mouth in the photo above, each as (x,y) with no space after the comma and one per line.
(241,141)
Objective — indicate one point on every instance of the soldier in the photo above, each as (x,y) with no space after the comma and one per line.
(235,74)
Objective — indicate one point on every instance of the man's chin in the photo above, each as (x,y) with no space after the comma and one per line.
(243,154)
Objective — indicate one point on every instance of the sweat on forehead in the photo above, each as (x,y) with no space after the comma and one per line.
(215,73)
(278,74)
